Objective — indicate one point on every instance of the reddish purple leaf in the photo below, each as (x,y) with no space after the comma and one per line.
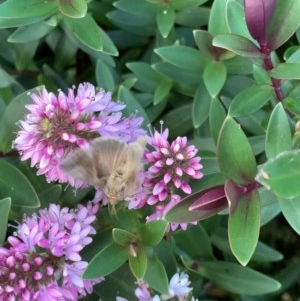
(258,14)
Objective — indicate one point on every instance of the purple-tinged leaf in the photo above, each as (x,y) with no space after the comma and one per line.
(198,206)
(284,23)
(258,14)
(237,44)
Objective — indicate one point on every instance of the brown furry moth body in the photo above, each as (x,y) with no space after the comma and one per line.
(109,164)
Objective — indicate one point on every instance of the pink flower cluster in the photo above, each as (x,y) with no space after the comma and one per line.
(42,261)
(170,166)
(58,124)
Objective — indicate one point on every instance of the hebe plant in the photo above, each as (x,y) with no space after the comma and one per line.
(224,74)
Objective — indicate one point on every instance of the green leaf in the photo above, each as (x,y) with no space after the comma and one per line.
(250,100)
(138,263)
(182,113)
(108,46)
(235,156)
(217,115)
(30,9)
(291,210)
(15,185)
(179,4)
(263,253)
(29,33)
(278,137)
(73,8)
(123,237)
(284,23)
(280,174)
(104,76)
(86,31)
(183,57)
(244,224)
(106,261)
(156,275)
(238,279)
(286,71)
(122,279)
(214,77)
(132,105)
(152,233)
(188,241)
(237,44)
(201,106)
(217,18)
(50,195)
(165,19)
(162,91)
(13,113)
(5,205)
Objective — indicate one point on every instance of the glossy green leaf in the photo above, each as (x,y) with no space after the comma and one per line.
(183,57)
(137,7)
(278,137)
(194,241)
(5,205)
(165,19)
(156,275)
(235,156)
(138,262)
(162,91)
(217,115)
(235,16)
(286,71)
(132,105)
(15,185)
(250,100)
(182,113)
(104,76)
(29,33)
(214,77)
(148,77)
(73,8)
(201,106)
(237,44)
(283,24)
(179,4)
(217,19)
(122,279)
(50,195)
(244,225)
(237,279)
(86,31)
(106,261)
(152,233)
(291,210)
(264,253)
(280,174)
(108,46)
(123,237)
(30,9)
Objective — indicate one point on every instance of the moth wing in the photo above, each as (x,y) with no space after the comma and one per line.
(109,154)
(133,164)
(79,165)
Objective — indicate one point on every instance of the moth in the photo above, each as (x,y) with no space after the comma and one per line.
(108,164)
